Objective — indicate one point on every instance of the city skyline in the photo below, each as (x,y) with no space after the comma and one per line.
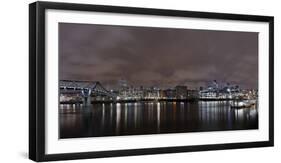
(124,83)
(164,57)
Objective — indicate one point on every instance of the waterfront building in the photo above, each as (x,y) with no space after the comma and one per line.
(215,91)
(170,93)
(192,93)
(181,92)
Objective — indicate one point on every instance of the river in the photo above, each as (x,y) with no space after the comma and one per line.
(138,118)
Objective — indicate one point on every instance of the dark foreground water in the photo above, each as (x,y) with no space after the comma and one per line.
(117,119)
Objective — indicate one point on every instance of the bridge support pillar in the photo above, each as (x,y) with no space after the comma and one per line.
(86,97)
(87,101)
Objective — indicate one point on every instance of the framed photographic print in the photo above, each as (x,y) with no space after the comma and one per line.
(118,81)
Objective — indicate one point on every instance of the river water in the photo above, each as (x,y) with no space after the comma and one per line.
(116,119)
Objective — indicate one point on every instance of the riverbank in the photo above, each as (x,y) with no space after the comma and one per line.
(151,100)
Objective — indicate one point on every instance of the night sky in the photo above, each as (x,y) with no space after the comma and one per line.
(164,57)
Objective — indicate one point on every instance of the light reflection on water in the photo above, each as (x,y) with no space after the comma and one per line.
(114,119)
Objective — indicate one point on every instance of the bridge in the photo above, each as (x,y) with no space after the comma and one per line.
(86,89)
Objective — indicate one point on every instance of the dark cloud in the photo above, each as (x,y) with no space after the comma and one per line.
(157,56)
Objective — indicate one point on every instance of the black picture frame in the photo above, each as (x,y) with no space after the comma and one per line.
(37,78)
